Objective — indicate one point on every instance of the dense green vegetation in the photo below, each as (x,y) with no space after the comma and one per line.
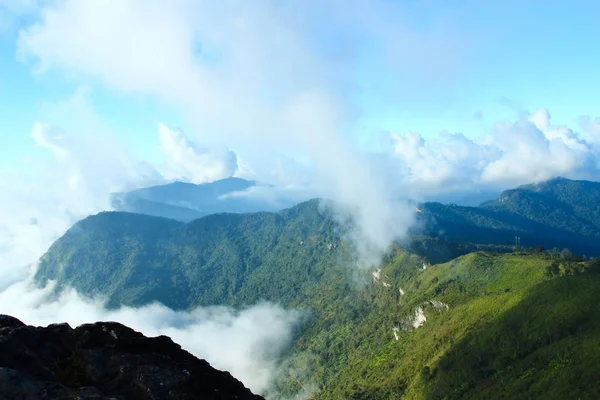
(510,331)
(233,259)
(561,203)
(500,322)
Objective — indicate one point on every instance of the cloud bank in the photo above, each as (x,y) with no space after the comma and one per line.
(253,77)
(256,80)
(77,181)
(247,343)
(527,150)
(252,80)
(187,161)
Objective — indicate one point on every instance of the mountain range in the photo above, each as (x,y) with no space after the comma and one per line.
(184,201)
(556,213)
(458,311)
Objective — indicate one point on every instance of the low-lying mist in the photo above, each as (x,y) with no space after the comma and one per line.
(248,343)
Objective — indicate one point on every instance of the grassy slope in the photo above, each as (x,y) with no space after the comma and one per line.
(510,333)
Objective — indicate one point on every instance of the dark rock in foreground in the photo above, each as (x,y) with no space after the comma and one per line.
(104,360)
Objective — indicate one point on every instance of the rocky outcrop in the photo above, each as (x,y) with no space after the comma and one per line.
(104,360)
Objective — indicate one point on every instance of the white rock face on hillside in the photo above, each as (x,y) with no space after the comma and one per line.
(419,319)
(376,275)
(438,305)
(377,278)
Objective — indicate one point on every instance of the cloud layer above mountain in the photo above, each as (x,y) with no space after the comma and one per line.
(253,77)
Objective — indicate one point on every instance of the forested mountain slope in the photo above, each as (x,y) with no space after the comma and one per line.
(561,203)
(239,259)
(233,259)
(481,326)
(557,213)
(485,325)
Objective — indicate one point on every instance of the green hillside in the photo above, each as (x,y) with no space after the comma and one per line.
(511,330)
(497,323)
(560,203)
(516,324)
(233,259)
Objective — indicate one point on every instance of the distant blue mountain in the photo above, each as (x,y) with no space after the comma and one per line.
(187,201)
(467,198)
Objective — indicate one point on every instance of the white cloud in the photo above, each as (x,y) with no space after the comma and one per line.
(76,182)
(591,128)
(37,209)
(275,197)
(187,161)
(528,150)
(247,343)
(46,135)
(86,163)
(256,77)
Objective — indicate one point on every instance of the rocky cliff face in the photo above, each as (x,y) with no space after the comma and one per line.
(104,360)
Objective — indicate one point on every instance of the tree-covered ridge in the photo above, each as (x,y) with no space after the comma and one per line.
(557,213)
(238,259)
(562,203)
(233,259)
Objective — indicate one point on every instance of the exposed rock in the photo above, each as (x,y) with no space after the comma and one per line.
(395,330)
(104,360)
(376,275)
(419,318)
(438,305)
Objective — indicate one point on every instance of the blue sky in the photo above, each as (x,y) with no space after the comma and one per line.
(24,93)
(537,54)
